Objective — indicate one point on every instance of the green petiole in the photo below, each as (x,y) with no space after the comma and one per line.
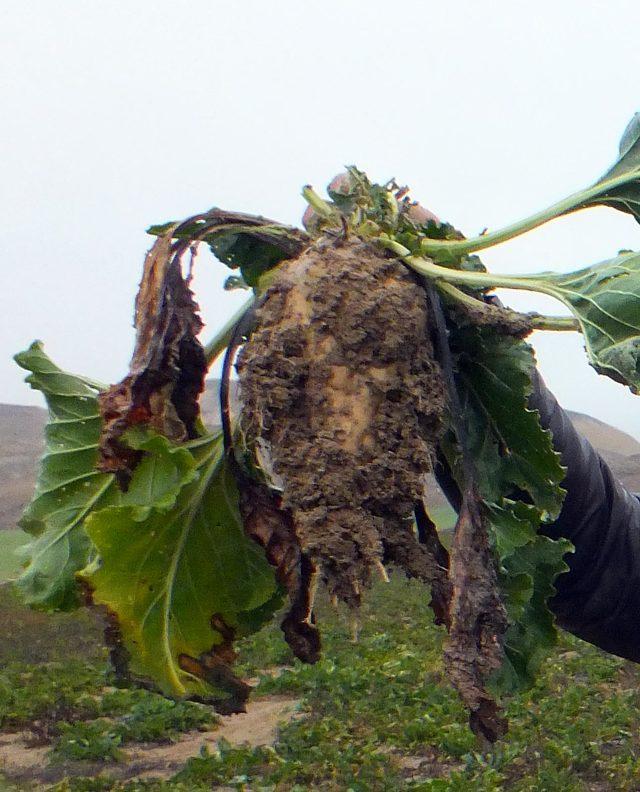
(321,207)
(484,280)
(453,250)
(479,280)
(220,341)
(537,321)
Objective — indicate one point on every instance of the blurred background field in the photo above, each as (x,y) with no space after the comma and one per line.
(375,714)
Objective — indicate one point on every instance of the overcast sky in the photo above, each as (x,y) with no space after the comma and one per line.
(116,115)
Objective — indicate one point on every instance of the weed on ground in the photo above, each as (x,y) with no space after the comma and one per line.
(376,714)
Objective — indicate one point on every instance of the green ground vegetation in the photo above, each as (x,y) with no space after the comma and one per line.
(376,714)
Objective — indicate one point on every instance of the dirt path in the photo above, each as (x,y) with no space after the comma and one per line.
(258,726)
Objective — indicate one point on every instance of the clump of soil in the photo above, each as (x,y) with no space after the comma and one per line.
(342,402)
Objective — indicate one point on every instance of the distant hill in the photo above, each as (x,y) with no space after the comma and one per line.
(21,444)
(604,437)
(620,450)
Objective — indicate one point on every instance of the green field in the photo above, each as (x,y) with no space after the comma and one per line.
(9,561)
(375,715)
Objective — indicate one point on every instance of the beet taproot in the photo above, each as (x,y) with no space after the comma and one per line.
(342,402)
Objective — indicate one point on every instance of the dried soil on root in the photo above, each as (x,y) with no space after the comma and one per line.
(342,400)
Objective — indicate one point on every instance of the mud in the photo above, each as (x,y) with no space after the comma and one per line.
(343,399)
(491,313)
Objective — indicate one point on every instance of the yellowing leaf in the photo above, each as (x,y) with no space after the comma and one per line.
(69,488)
(181,583)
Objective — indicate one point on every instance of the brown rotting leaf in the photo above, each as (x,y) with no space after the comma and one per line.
(214,667)
(272,527)
(478,620)
(168,367)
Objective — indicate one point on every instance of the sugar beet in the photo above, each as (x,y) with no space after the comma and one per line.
(342,402)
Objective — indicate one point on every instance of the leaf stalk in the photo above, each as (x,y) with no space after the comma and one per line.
(221,340)
(479,280)
(536,320)
(318,204)
(456,249)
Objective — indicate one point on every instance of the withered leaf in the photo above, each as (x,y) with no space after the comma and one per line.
(478,620)
(182,579)
(242,241)
(214,667)
(272,528)
(168,367)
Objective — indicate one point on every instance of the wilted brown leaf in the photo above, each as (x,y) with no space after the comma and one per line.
(272,527)
(478,620)
(215,668)
(168,367)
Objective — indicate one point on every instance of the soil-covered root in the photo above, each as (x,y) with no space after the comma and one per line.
(342,403)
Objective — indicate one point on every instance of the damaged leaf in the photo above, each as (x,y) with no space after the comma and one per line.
(519,476)
(251,244)
(272,528)
(527,573)
(167,371)
(477,619)
(69,488)
(183,582)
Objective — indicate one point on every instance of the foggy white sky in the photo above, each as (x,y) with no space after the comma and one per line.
(121,114)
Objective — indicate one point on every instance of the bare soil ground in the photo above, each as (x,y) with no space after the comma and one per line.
(258,726)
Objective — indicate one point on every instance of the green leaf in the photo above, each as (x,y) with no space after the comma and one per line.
(69,488)
(630,138)
(519,476)
(620,186)
(527,575)
(605,299)
(169,577)
(512,525)
(250,254)
(510,447)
